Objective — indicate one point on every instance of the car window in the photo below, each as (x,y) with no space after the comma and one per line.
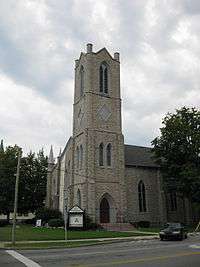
(172,225)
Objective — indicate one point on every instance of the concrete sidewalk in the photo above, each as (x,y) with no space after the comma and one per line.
(133,238)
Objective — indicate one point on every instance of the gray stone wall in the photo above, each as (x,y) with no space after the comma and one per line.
(97,119)
(155,208)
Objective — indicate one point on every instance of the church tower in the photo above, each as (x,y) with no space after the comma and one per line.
(98,172)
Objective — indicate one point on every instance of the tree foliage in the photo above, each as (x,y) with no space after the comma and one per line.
(8,168)
(32,186)
(32,182)
(177,151)
(46,214)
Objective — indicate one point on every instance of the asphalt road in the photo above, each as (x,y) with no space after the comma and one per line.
(152,253)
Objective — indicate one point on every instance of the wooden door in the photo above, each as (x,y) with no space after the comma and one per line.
(104,211)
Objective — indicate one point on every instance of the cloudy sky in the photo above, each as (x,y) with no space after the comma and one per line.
(159,45)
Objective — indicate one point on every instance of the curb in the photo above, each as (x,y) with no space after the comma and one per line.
(114,239)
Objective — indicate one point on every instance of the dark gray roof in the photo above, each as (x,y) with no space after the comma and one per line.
(139,156)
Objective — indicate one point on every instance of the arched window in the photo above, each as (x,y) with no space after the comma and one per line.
(101,154)
(68,166)
(108,155)
(173,201)
(78,198)
(77,157)
(141,197)
(103,78)
(81,156)
(82,80)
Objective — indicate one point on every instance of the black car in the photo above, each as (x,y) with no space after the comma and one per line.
(173,231)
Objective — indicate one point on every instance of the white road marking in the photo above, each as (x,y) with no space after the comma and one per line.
(194,246)
(23,259)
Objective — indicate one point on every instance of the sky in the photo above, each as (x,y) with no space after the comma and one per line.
(159,46)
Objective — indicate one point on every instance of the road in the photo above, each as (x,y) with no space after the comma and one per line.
(152,253)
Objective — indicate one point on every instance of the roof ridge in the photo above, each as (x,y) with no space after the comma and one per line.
(138,146)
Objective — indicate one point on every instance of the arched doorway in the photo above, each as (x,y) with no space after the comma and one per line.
(104,211)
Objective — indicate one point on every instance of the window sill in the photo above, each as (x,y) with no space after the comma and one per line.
(105,167)
(105,95)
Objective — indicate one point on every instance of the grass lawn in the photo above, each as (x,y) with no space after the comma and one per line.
(29,233)
(47,244)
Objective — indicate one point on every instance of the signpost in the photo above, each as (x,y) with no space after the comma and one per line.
(65,213)
(76,217)
(39,223)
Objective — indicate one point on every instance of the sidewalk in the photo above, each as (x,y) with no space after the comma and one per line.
(133,238)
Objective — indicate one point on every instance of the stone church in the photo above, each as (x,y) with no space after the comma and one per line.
(111,181)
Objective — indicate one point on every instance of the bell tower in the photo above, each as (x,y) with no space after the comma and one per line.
(98,180)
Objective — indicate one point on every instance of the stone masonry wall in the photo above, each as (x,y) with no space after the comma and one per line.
(149,176)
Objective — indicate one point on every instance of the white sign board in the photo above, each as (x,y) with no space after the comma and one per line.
(76,220)
(38,223)
(76,209)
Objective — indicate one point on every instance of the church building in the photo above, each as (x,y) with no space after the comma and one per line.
(113,182)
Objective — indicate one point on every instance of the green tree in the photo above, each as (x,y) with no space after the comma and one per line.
(32,182)
(8,167)
(177,151)
(33,177)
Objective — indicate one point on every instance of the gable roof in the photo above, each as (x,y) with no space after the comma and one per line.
(139,156)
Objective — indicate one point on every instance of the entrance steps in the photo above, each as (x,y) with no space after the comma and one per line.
(119,227)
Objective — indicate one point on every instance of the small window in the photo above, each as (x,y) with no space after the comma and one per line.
(108,154)
(101,154)
(79,198)
(81,156)
(77,157)
(103,78)
(142,197)
(82,76)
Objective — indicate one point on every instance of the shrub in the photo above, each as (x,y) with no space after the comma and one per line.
(143,224)
(89,224)
(56,222)
(3,223)
(30,221)
(46,214)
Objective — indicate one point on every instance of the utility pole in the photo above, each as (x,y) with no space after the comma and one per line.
(65,212)
(16,196)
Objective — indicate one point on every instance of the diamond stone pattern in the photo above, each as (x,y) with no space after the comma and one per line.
(104,112)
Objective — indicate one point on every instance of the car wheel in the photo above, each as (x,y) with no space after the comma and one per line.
(162,238)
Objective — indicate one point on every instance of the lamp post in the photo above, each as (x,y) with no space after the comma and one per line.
(16,196)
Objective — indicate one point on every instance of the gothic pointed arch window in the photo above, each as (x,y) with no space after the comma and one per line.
(82,77)
(79,198)
(173,201)
(81,156)
(108,154)
(103,78)
(142,197)
(101,149)
(77,157)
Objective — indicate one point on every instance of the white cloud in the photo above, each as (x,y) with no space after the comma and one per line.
(30,120)
(160,63)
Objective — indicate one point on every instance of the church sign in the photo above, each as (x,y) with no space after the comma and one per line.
(76,217)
